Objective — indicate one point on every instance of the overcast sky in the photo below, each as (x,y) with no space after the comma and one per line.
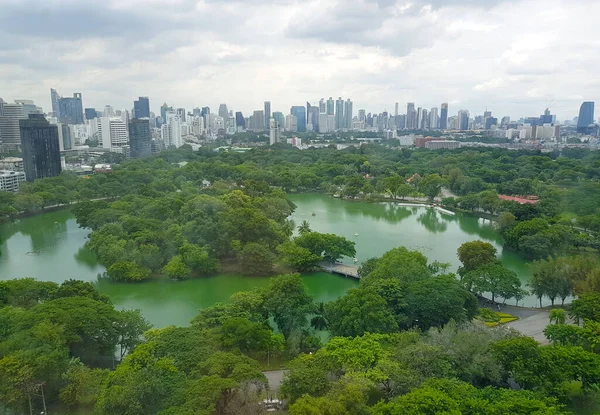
(513,57)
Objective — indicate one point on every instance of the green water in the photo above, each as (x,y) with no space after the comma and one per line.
(51,247)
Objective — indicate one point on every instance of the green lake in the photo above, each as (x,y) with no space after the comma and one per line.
(51,247)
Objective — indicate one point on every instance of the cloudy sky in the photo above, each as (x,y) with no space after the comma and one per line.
(513,57)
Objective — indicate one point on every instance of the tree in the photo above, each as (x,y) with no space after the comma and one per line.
(493,278)
(287,301)
(84,384)
(393,184)
(256,259)
(319,321)
(435,301)
(304,227)
(475,254)
(306,375)
(127,271)
(431,185)
(176,268)
(198,259)
(553,278)
(297,257)
(587,306)
(130,327)
(359,311)
(329,246)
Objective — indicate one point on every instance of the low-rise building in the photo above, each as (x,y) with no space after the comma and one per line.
(439,144)
(10,180)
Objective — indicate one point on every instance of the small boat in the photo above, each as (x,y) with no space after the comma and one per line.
(355,260)
(355,234)
(314,214)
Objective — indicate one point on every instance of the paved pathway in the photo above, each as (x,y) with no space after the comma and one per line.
(274,378)
(532,326)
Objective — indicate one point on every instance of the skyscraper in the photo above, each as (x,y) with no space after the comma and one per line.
(240,121)
(330,106)
(444,116)
(140,139)
(71,109)
(274,132)
(181,113)
(54,98)
(90,113)
(299,112)
(313,118)
(41,149)
(434,121)
(141,108)
(586,117)
(339,114)
(113,132)
(362,116)
(424,120)
(280,118)
(348,114)
(411,116)
(267,110)
(396,109)
(258,118)
(463,120)
(223,112)
(322,106)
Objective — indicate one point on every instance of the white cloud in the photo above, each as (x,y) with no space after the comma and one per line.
(510,56)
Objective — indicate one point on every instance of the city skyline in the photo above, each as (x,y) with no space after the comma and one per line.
(469,54)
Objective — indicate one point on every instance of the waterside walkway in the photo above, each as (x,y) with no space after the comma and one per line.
(341,269)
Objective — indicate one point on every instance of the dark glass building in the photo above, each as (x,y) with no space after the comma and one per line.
(444,116)
(71,109)
(41,149)
(141,108)
(299,112)
(586,118)
(140,138)
(240,121)
(91,113)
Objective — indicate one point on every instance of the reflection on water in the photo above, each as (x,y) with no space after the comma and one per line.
(51,247)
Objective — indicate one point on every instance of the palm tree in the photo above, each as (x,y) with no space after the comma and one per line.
(557,316)
(304,228)
(319,321)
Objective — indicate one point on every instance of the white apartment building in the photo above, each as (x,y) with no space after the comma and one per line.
(112,132)
(10,180)
(274,132)
(171,131)
(323,123)
(197,126)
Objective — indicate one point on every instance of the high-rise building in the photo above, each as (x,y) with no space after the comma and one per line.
(163,111)
(198,125)
(54,97)
(267,110)
(291,123)
(258,118)
(41,149)
(141,108)
(308,120)
(505,121)
(339,114)
(1,107)
(411,116)
(330,106)
(197,112)
(362,117)
(223,112)
(10,133)
(240,121)
(91,113)
(181,114)
(444,116)
(71,109)
(10,180)
(112,132)
(171,131)
(299,112)
(323,123)
(463,120)
(140,138)
(586,117)
(348,113)
(424,120)
(274,132)
(396,109)
(434,121)
(322,106)
(313,118)
(280,118)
